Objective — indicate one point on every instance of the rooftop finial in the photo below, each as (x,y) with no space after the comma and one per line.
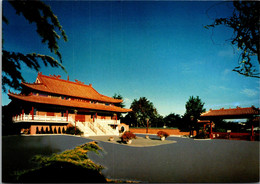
(78,82)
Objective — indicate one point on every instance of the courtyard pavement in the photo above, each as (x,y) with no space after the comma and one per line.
(179,160)
(175,160)
(140,141)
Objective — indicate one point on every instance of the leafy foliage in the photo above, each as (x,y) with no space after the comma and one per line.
(122,105)
(128,136)
(245,22)
(71,130)
(69,166)
(77,156)
(223,126)
(202,134)
(162,134)
(194,108)
(173,120)
(142,109)
(47,23)
(120,97)
(158,121)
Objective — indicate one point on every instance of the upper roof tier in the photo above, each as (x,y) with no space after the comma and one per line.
(231,113)
(55,85)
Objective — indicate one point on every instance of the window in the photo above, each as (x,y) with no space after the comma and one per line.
(42,94)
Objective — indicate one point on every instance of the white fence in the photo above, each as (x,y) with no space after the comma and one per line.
(108,121)
(44,118)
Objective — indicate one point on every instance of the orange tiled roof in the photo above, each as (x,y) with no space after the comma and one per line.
(248,111)
(77,89)
(68,103)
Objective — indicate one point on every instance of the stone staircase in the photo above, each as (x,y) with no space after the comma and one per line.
(95,128)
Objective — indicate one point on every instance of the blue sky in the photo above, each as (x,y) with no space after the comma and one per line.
(158,50)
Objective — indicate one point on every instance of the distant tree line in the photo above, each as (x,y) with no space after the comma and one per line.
(144,111)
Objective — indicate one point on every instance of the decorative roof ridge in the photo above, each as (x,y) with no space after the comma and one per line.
(58,78)
(40,75)
(252,107)
(33,83)
(206,112)
(107,96)
(245,110)
(17,94)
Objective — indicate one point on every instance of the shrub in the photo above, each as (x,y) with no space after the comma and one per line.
(221,130)
(202,134)
(77,156)
(71,130)
(66,167)
(162,134)
(127,136)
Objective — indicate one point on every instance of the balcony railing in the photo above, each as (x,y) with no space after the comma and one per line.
(58,119)
(41,118)
(108,121)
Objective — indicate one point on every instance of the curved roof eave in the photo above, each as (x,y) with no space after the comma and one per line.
(68,103)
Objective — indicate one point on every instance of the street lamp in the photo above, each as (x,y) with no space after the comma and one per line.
(147,120)
(75,112)
(146,136)
(191,126)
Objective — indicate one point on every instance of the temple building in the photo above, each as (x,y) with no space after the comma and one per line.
(51,103)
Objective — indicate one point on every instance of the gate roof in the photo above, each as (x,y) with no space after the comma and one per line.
(235,113)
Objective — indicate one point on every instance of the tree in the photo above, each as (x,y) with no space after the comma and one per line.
(142,109)
(47,26)
(158,121)
(121,104)
(120,97)
(245,22)
(173,120)
(194,108)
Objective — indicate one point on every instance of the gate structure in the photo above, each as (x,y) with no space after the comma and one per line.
(250,113)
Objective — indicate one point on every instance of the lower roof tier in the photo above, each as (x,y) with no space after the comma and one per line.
(67,103)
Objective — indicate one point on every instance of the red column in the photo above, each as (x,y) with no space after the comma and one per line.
(211,130)
(147,126)
(75,121)
(115,121)
(252,133)
(22,113)
(67,114)
(32,113)
(96,115)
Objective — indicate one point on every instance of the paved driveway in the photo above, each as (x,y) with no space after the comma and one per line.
(185,160)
